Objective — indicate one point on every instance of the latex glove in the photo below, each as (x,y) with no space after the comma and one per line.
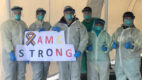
(28,62)
(41,29)
(12,56)
(114,45)
(104,48)
(77,54)
(90,48)
(128,45)
(56,29)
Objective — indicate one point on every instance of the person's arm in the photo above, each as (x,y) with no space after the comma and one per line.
(47,26)
(108,42)
(50,26)
(137,37)
(114,37)
(114,41)
(32,27)
(83,39)
(7,38)
(56,27)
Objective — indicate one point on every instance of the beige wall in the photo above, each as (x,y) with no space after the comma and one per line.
(116,9)
(2,18)
(2,10)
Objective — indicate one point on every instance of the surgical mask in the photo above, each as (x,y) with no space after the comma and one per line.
(128,22)
(86,17)
(17,17)
(40,17)
(98,28)
(69,17)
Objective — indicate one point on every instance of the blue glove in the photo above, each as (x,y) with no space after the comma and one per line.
(12,56)
(104,48)
(28,62)
(114,45)
(128,45)
(41,29)
(90,48)
(56,29)
(77,54)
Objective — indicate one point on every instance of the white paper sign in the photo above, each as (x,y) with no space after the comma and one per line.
(45,46)
(46,53)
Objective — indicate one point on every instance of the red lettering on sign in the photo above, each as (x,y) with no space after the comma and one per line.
(39,40)
(68,53)
(59,52)
(49,41)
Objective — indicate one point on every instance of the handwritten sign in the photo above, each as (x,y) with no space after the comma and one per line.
(45,46)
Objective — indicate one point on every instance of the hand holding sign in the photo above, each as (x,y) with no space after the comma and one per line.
(56,29)
(77,54)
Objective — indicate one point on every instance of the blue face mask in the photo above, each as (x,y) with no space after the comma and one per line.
(40,17)
(69,17)
(98,28)
(128,22)
(86,17)
(17,17)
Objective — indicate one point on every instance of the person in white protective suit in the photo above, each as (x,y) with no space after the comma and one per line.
(76,34)
(98,56)
(127,40)
(40,69)
(12,35)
